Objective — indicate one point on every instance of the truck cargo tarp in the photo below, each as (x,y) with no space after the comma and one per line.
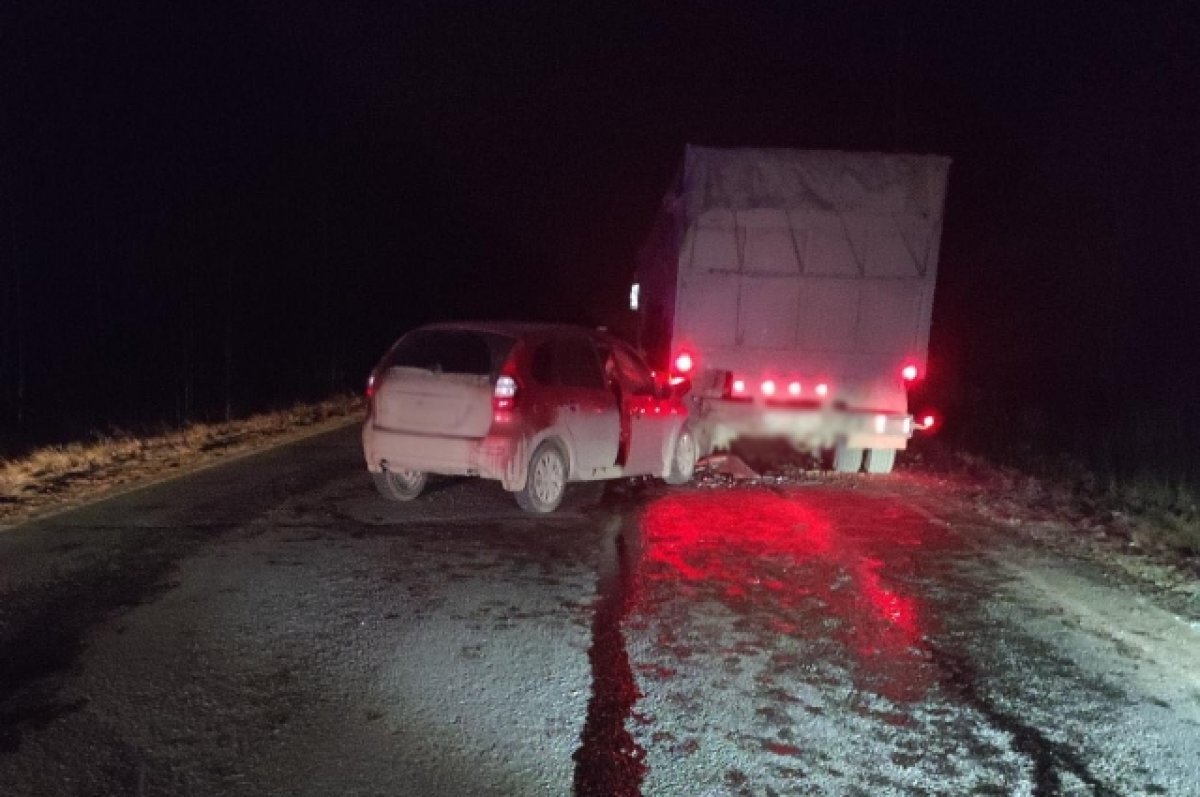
(827,256)
(816,180)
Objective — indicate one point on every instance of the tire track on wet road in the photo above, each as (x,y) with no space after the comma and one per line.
(1048,757)
(609,763)
(958,675)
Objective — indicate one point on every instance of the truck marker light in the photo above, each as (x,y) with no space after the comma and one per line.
(768,388)
(794,388)
(822,389)
(880,423)
(929,420)
(909,372)
(684,363)
(739,386)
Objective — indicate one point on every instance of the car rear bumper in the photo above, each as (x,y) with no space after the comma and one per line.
(503,458)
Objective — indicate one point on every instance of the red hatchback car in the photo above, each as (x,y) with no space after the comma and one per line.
(532,405)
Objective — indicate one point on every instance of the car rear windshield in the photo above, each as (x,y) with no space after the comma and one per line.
(451,351)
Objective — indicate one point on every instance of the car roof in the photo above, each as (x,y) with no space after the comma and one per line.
(517,329)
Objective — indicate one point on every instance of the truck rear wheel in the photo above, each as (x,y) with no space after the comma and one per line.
(881,460)
(683,459)
(846,459)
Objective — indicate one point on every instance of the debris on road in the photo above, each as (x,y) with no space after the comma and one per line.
(727,465)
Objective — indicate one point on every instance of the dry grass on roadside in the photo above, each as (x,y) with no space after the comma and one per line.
(1144,513)
(66,473)
(1166,514)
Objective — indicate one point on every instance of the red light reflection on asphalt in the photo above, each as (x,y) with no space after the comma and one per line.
(690,533)
(789,562)
(896,609)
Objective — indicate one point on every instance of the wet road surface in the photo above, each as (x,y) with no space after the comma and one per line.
(273,627)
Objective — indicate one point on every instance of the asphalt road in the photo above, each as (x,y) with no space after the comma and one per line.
(271,626)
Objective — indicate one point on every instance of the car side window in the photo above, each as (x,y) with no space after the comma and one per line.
(577,364)
(633,373)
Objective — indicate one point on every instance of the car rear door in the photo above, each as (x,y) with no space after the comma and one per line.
(438,383)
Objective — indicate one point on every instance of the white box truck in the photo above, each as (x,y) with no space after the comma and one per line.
(794,288)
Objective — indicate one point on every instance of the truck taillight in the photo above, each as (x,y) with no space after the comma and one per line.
(909,373)
(794,389)
(684,363)
(735,388)
(504,395)
(823,389)
(768,387)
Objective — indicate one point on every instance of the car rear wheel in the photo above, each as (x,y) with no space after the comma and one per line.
(399,485)
(546,481)
(683,459)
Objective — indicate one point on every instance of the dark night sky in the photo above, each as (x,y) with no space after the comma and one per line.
(299,182)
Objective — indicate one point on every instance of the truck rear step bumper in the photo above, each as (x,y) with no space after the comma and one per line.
(720,422)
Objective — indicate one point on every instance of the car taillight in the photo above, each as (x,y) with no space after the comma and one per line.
(684,363)
(739,387)
(909,373)
(504,395)
(372,384)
